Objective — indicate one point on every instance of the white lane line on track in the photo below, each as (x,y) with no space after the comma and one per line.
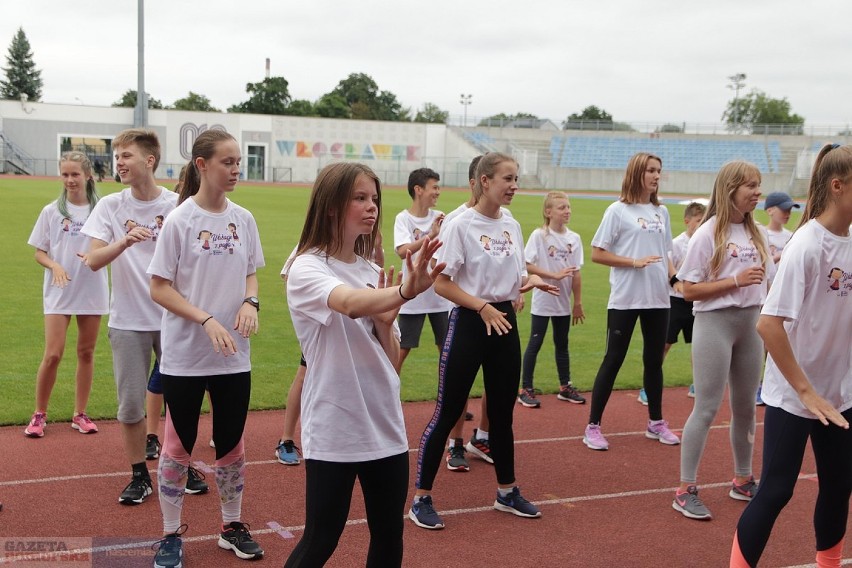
(275,528)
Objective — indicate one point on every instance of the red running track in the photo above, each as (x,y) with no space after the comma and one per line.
(600,509)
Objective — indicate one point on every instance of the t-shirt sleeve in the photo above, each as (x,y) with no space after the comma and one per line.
(164,263)
(452,251)
(40,237)
(309,284)
(697,258)
(531,250)
(97,225)
(578,250)
(255,257)
(607,231)
(401,234)
(788,286)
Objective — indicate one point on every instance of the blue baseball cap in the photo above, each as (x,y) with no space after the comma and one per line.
(781,200)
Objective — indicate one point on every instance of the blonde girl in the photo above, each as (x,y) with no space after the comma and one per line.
(482,333)
(70,289)
(555,253)
(806,324)
(724,274)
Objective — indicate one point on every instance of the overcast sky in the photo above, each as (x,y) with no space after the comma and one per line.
(651,61)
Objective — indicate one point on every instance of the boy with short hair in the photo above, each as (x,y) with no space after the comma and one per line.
(123,228)
(681,317)
(778,206)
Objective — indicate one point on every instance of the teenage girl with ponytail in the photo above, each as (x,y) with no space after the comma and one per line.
(807,387)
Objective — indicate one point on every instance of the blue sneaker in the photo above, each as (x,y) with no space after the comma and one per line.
(643,398)
(170,550)
(758,401)
(691,392)
(423,514)
(514,503)
(287,453)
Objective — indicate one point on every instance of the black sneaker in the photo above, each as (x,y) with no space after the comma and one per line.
(527,398)
(236,537)
(152,447)
(455,457)
(479,448)
(195,484)
(137,490)
(169,550)
(515,503)
(570,394)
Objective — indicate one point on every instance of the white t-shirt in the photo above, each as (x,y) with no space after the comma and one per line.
(407,229)
(741,253)
(813,293)
(636,231)
(87,292)
(131,308)
(207,256)
(679,245)
(350,400)
(484,256)
(553,251)
(777,239)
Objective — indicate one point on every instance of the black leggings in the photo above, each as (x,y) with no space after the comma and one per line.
(619,330)
(467,348)
(229,396)
(328,494)
(561,327)
(784,439)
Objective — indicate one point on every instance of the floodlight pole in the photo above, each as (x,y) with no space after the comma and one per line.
(737,83)
(140,115)
(465,101)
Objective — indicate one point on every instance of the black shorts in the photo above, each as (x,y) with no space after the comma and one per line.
(411,326)
(680,319)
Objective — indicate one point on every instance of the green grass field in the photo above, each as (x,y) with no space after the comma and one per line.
(275,353)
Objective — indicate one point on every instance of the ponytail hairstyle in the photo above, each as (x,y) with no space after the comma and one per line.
(633,185)
(91,193)
(548,203)
(204,147)
(728,180)
(326,216)
(487,167)
(833,162)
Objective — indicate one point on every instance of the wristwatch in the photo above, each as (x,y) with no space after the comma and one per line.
(253,301)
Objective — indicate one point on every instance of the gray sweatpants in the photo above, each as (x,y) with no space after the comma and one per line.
(726,349)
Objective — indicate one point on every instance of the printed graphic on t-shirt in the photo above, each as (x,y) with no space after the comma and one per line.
(561,254)
(501,245)
(417,234)
(839,282)
(743,253)
(155,225)
(654,225)
(72,227)
(214,243)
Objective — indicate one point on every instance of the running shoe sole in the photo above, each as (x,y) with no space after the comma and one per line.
(80,430)
(478,453)
(653,436)
(139,501)
(224,544)
(507,509)
(592,446)
(689,515)
(571,400)
(529,404)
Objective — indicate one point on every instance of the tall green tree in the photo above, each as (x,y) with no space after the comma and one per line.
(591,114)
(432,113)
(332,106)
(194,101)
(758,112)
(270,96)
(300,107)
(366,102)
(22,77)
(128,99)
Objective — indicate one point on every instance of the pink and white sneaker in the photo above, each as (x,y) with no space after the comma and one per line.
(659,430)
(35,429)
(84,424)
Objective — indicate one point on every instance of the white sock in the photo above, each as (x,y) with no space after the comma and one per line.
(481,435)
(504,492)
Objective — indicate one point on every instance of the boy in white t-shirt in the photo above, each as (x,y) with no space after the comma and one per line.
(778,206)
(123,228)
